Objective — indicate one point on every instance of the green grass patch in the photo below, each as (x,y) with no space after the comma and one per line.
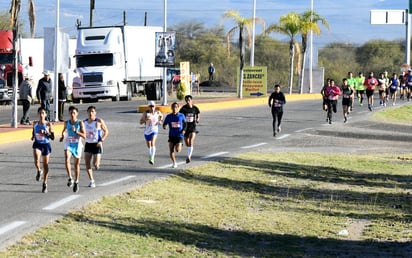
(398,115)
(252,205)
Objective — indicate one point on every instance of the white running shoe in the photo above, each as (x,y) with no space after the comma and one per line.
(174,165)
(92,184)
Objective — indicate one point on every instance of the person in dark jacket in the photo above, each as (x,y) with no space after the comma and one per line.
(276,101)
(43,92)
(26,98)
(62,96)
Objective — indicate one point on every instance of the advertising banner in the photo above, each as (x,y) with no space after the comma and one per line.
(165,49)
(254,81)
(185,77)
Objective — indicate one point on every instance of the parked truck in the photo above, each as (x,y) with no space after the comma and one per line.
(116,62)
(6,66)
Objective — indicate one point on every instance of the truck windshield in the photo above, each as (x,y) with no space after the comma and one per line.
(95,60)
(6,58)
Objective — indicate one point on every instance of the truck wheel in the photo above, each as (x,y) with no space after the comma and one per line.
(117,97)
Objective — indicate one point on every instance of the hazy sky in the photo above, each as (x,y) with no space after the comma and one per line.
(349,19)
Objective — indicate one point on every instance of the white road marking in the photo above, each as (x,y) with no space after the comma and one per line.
(116,181)
(215,155)
(170,165)
(283,136)
(254,145)
(62,202)
(11,226)
(302,130)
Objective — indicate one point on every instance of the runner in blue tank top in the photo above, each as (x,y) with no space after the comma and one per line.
(41,135)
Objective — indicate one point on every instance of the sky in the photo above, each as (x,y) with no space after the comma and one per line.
(349,19)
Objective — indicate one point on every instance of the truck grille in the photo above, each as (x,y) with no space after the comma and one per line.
(92,77)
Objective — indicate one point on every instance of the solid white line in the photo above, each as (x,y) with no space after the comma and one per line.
(61,202)
(283,136)
(116,181)
(214,155)
(254,146)
(11,226)
(302,130)
(170,165)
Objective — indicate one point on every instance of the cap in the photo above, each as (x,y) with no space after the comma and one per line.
(46,72)
(151,103)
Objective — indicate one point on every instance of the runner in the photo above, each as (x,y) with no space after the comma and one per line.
(276,101)
(402,86)
(333,92)
(382,90)
(96,133)
(41,135)
(177,128)
(325,98)
(408,88)
(152,119)
(347,98)
(370,84)
(393,88)
(74,131)
(191,113)
(360,88)
(351,82)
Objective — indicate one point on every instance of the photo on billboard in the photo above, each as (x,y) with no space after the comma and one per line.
(165,49)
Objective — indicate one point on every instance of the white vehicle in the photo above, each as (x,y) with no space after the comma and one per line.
(115,62)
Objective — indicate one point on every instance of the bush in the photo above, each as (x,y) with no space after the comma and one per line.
(180,91)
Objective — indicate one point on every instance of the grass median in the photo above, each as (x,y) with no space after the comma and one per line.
(253,205)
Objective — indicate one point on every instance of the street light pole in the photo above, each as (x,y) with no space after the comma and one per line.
(311,52)
(252,50)
(164,83)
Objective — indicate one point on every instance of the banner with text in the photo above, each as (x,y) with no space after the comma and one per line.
(254,81)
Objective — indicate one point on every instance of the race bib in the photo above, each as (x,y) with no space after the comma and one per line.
(175,124)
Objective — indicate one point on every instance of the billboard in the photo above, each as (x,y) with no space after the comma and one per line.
(165,49)
(254,81)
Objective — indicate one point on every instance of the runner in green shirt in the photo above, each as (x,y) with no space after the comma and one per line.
(351,81)
(360,88)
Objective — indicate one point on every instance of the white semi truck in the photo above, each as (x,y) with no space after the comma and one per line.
(116,62)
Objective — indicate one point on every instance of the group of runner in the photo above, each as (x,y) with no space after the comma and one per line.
(181,124)
(93,130)
(362,87)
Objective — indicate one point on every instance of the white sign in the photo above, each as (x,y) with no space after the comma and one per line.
(388,16)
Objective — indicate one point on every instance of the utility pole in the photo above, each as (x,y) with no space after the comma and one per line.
(91,12)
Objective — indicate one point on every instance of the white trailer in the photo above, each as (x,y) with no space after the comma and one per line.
(115,62)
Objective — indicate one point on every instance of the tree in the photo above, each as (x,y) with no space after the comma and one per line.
(14,25)
(309,22)
(243,26)
(289,25)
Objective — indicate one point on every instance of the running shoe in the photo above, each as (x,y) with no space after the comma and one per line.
(92,184)
(346,120)
(274,134)
(151,161)
(44,189)
(187,160)
(174,165)
(75,187)
(70,182)
(279,129)
(39,173)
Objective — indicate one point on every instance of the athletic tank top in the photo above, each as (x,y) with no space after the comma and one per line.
(93,134)
(40,137)
(152,125)
(72,137)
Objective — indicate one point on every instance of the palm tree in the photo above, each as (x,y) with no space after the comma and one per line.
(14,25)
(288,25)
(243,26)
(309,22)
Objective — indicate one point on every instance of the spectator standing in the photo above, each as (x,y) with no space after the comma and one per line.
(211,71)
(43,92)
(62,95)
(26,99)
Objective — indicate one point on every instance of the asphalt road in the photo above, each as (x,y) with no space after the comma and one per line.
(125,164)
